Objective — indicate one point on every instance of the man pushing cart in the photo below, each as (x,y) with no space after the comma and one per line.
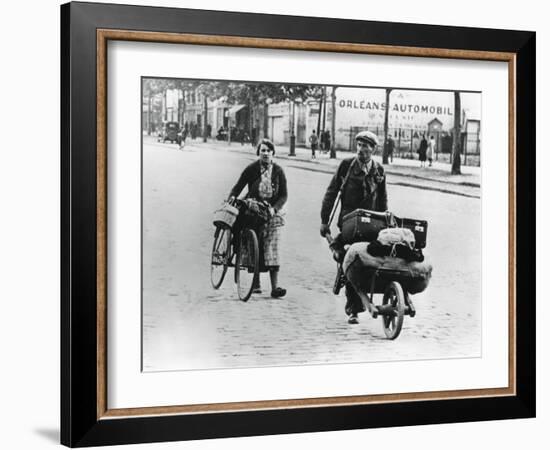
(359,186)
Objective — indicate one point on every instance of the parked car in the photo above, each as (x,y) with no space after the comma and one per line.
(170,132)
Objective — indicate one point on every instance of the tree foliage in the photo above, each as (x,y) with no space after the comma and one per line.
(236,92)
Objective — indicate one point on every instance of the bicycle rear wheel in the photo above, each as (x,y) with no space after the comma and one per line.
(221,255)
(247,263)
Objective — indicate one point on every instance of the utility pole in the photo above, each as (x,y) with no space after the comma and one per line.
(385,150)
(455,168)
(333,123)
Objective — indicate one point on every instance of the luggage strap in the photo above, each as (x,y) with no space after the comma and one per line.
(340,192)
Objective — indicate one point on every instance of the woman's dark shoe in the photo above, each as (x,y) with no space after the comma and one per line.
(278,292)
(257,290)
(353,319)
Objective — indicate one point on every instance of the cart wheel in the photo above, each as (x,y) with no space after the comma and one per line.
(393,322)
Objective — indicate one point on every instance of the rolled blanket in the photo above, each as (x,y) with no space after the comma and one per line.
(359,267)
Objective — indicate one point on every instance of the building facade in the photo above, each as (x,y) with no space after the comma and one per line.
(412,114)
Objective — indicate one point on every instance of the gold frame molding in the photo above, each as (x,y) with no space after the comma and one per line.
(105,35)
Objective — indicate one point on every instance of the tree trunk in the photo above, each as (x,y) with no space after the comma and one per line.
(165,109)
(205,121)
(149,114)
(319,115)
(333,123)
(386,113)
(324,109)
(250,118)
(183,107)
(455,169)
(266,120)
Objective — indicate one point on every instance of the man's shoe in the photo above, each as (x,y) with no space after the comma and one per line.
(278,292)
(257,290)
(353,320)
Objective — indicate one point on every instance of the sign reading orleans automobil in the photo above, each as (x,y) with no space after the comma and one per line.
(408,109)
(396,108)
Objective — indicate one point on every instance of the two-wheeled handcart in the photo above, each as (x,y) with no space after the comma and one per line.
(393,277)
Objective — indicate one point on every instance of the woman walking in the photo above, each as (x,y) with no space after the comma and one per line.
(422,150)
(431,150)
(266,182)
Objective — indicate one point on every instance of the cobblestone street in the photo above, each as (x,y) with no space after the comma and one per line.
(189,325)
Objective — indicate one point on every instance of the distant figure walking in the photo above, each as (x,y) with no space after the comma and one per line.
(431,150)
(327,141)
(391,147)
(183,136)
(314,141)
(422,150)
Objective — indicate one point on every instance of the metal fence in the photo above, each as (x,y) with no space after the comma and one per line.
(407,142)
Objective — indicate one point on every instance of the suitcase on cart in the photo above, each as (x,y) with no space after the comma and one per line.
(418,227)
(363,225)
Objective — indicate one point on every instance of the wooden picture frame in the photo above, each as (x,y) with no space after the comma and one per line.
(86,418)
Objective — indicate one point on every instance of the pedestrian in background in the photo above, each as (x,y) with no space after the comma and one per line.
(327,140)
(431,150)
(183,137)
(391,147)
(313,141)
(266,181)
(422,149)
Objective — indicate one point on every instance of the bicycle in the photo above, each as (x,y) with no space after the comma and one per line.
(235,245)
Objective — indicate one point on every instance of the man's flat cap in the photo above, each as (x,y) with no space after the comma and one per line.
(367,136)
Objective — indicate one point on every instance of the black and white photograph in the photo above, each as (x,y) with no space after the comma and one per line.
(303,224)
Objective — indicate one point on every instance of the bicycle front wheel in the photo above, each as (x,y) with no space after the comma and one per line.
(247,263)
(221,255)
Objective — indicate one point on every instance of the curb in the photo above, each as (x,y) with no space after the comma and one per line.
(330,170)
(387,169)
(317,166)
(397,183)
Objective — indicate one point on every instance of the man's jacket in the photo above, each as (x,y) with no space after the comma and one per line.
(365,191)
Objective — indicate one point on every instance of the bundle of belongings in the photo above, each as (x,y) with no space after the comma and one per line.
(254,214)
(393,253)
(396,242)
(360,266)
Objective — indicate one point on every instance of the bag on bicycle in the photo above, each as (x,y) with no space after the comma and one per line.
(255,213)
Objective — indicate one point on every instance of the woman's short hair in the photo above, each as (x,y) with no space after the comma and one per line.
(267,143)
